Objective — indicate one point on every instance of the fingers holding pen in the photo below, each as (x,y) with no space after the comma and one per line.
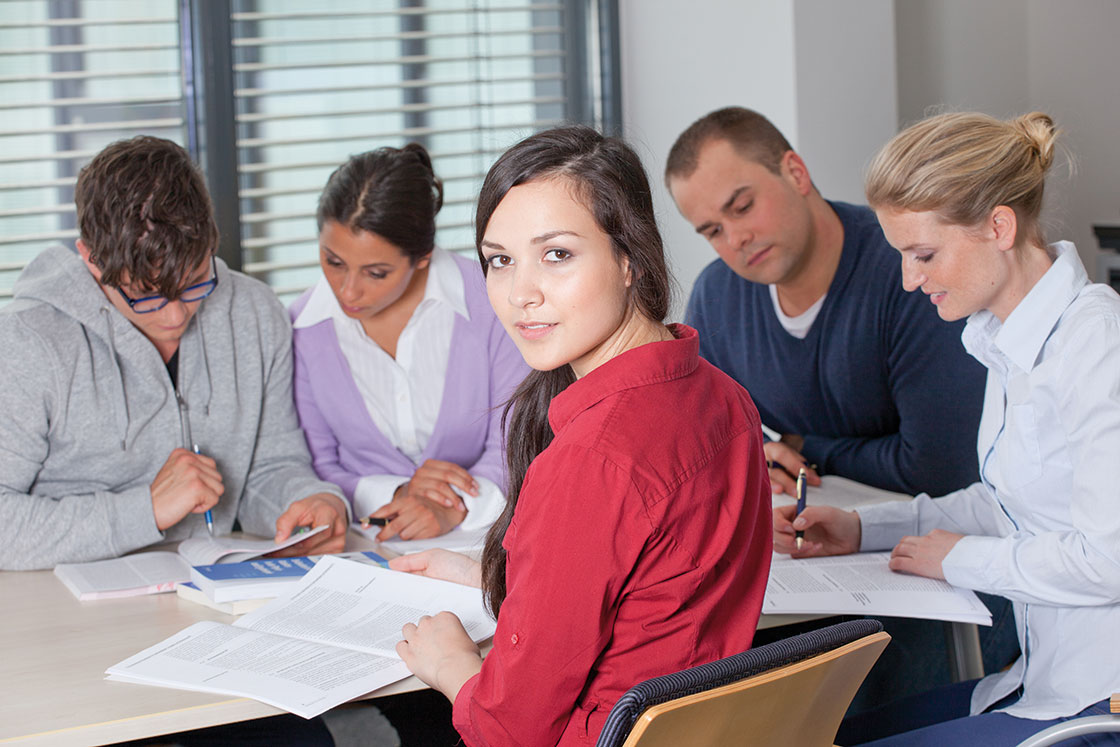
(186,483)
(827,531)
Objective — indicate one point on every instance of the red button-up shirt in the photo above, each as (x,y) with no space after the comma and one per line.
(640,546)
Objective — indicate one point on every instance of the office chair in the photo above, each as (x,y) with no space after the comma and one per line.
(792,691)
(1076,727)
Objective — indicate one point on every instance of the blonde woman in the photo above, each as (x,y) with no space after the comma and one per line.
(959,196)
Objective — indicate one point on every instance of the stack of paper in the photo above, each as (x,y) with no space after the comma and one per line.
(330,640)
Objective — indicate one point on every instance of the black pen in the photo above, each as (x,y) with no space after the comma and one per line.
(799,535)
(376,521)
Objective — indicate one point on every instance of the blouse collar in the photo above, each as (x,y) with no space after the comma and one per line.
(647,364)
(1030,323)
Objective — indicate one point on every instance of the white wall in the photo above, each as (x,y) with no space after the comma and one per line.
(961,55)
(682,60)
(832,94)
(846,90)
(1075,77)
(1007,57)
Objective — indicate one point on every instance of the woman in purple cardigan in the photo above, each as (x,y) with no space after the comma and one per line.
(401,367)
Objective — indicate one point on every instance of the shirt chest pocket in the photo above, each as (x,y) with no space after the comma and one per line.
(1020,459)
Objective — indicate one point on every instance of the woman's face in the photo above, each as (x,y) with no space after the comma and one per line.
(367,273)
(963,270)
(554,280)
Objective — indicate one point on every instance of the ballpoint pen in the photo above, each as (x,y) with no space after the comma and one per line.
(209,515)
(799,535)
(376,521)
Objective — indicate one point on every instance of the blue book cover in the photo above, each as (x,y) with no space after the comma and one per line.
(255,577)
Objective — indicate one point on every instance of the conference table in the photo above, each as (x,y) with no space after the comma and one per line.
(56,651)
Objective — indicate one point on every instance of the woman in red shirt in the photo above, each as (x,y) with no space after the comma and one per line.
(636,539)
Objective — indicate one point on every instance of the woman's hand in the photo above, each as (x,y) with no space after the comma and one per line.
(828,531)
(442,564)
(433,480)
(439,652)
(416,517)
(922,556)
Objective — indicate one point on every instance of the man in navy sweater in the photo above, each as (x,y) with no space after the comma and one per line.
(806,310)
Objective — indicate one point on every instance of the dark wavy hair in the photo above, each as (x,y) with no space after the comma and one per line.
(392,192)
(607,176)
(143,209)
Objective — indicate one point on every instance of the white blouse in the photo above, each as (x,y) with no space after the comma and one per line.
(1042,525)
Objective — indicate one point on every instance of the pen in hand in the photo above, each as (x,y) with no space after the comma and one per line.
(375,521)
(209,514)
(799,535)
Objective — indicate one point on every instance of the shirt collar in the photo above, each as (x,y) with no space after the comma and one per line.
(647,364)
(445,285)
(1030,323)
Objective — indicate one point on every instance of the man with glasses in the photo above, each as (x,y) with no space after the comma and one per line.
(146,383)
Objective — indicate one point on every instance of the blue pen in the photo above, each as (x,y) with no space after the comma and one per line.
(799,535)
(209,514)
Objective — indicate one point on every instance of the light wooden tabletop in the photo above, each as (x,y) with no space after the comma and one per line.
(56,650)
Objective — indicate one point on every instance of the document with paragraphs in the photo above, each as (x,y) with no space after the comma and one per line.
(331,639)
(863,584)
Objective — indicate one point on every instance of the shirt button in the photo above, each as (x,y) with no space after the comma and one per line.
(513,639)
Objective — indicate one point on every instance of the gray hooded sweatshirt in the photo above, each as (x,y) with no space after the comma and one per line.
(88,416)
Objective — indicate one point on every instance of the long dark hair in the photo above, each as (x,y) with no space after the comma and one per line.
(392,192)
(608,177)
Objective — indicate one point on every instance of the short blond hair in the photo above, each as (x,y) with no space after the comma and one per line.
(963,165)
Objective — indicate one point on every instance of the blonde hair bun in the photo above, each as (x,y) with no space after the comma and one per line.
(962,165)
(1041,134)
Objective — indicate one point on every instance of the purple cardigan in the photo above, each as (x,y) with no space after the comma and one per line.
(483,369)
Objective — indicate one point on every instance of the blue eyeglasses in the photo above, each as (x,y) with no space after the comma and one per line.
(190,294)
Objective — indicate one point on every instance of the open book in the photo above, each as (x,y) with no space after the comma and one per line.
(330,640)
(863,584)
(155,572)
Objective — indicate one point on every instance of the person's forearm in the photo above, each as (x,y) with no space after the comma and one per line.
(454,674)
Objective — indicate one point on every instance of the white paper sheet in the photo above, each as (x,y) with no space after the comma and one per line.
(841,493)
(468,542)
(206,550)
(863,584)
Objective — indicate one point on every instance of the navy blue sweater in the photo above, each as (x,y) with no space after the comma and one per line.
(881,388)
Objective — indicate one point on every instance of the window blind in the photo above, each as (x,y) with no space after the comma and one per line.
(272,95)
(75,76)
(465,78)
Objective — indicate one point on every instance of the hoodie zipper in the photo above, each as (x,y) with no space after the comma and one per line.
(184,421)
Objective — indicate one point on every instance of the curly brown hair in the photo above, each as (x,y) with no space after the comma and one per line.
(144,212)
